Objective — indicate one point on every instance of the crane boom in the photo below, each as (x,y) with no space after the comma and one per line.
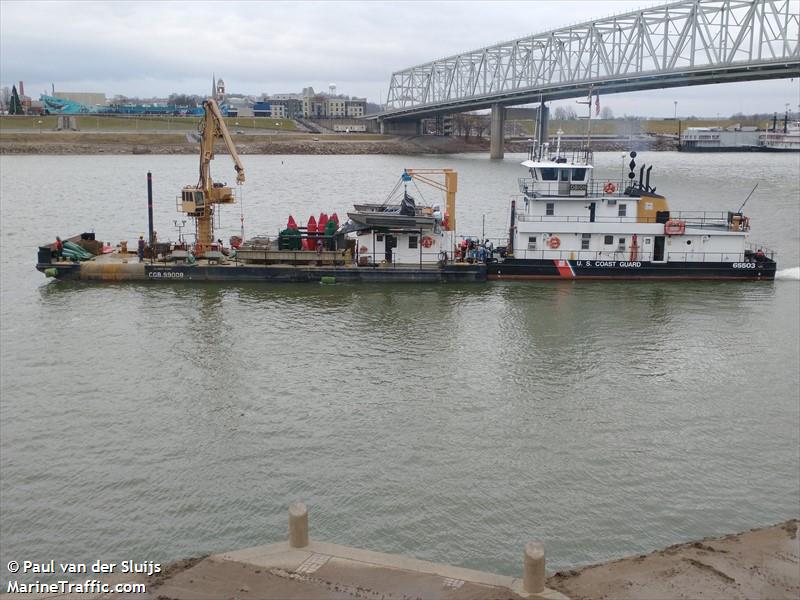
(198,201)
(214,127)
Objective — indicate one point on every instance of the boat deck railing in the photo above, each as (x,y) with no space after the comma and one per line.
(534,188)
(693,219)
(640,255)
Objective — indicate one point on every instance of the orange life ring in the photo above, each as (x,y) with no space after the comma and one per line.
(427,242)
(675,227)
(363,250)
(609,188)
(554,242)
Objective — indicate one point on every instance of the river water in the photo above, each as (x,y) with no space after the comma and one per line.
(452,423)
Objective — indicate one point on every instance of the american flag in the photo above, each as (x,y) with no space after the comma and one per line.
(597,104)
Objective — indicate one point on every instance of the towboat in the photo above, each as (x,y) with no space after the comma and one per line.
(568,225)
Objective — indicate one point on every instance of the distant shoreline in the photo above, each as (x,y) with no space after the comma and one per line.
(97,143)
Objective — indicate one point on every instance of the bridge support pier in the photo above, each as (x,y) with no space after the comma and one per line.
(496,138)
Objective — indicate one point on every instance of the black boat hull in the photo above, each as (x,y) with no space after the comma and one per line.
(513,269)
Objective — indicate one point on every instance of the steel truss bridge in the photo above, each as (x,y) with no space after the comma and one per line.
(690,42)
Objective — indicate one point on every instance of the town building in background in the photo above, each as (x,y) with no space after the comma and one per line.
(307,104)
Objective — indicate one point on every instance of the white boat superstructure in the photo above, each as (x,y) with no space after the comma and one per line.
(782,140)
(567,224)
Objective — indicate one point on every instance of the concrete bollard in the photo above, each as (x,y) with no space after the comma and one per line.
(533,579)
(298,525)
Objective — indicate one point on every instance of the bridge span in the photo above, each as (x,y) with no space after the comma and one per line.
(689,42)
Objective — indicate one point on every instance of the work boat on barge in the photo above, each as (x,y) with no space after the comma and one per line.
(569,226)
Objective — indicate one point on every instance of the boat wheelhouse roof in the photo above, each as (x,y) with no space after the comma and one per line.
(533,164)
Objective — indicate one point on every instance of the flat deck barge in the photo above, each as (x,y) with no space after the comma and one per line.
(120,266)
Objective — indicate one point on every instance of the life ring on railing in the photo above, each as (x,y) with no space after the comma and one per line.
(675,227)
(609,188)
(427,241)
(554,242)
(363,250)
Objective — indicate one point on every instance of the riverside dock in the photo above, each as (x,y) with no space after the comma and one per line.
(761,563)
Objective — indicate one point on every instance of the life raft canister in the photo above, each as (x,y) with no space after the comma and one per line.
(427,241)
(554,242)
(609,188)
(674,227)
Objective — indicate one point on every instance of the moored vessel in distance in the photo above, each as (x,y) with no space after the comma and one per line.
(569,226)
(783,140)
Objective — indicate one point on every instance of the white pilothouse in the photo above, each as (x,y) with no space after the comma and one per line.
(567,225)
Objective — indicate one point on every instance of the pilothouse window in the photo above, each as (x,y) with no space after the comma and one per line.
(578,174)
(549,174)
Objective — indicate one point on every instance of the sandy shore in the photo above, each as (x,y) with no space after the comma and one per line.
(757,564)
(761,563)
(90,142)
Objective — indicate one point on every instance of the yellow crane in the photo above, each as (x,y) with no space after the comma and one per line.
(198,201)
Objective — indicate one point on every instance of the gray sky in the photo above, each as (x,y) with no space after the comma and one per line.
(156,48)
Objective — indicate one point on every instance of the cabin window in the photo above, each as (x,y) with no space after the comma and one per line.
(621,245)
(585,239)
(549,174)
(379,237)
(412,242)
(532,242)
(609,240)
(622,210)
(550,209)
(198,198)
(647,241)
(688,242)
(578,174)
(563,174)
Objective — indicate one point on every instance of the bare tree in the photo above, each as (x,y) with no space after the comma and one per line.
(606,113)
(481,124)
(562,113)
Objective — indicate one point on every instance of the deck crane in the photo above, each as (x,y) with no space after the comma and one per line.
(198,201)
(449,187)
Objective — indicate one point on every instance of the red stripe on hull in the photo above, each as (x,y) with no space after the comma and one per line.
(564,269)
